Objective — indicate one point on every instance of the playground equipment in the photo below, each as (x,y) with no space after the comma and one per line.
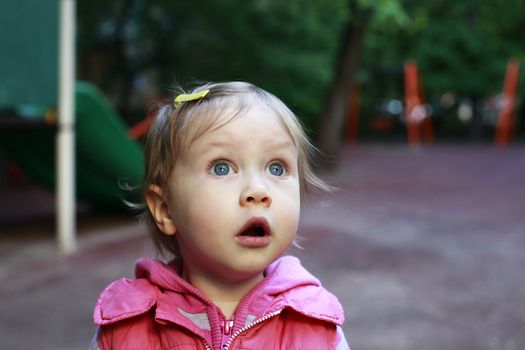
(505,125)
(417,115)
(29,70)
(66,188)
(419,124)
(85,152)
(105,155)
(83,157)
(418,121)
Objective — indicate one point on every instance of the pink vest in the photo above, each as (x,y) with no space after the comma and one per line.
(289,309)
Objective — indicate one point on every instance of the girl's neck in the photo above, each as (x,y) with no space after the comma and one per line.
(225,294)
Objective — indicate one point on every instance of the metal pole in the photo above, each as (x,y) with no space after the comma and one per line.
(65,148)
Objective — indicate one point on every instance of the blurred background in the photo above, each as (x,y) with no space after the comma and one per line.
(416,105)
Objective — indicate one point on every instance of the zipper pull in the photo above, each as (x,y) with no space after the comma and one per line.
(227,326)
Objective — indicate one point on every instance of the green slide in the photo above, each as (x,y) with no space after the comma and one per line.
(107,159)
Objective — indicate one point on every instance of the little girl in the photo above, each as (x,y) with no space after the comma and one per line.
(226,168)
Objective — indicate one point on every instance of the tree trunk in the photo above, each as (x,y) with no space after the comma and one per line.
(336,103)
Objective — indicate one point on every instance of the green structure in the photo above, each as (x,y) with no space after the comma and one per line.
(29,46)
(106,158)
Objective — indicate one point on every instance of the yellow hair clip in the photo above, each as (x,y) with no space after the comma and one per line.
(189,97)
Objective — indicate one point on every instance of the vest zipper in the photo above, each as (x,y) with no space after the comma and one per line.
(251,325)
(227,326)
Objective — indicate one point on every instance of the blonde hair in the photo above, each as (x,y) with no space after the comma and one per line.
(174,129)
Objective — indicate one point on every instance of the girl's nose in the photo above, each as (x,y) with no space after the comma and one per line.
(255,193)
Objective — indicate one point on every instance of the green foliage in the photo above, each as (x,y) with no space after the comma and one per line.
(387,14)
(290,47)
(285,47)
(463,62)
(460,46)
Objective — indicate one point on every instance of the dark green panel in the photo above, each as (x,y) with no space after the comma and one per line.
(28,52)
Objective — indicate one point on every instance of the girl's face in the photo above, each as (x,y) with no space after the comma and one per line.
(235,197)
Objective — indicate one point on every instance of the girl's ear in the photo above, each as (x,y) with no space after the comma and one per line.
(158,208)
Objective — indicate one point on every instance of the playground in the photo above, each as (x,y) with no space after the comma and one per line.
(422,240)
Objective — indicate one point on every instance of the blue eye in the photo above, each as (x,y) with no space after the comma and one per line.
(220,169)
(276,169)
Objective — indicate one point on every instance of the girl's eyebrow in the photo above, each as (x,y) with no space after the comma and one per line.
(219,144)
(215,145)
(281,143)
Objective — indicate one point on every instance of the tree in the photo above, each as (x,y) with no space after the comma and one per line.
(285,47)
(362,15)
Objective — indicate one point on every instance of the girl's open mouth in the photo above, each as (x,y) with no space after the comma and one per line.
(255,233)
